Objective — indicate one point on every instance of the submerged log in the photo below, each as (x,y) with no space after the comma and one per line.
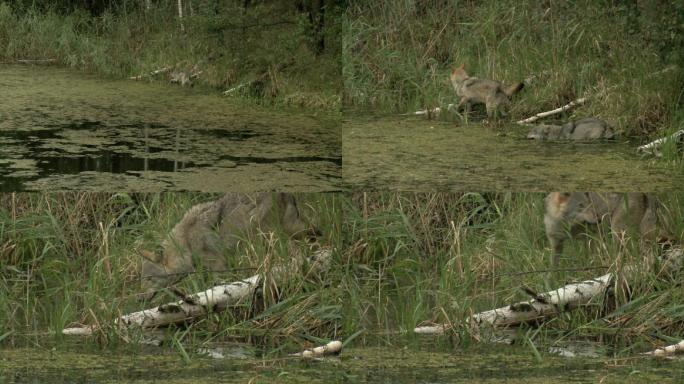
(214,299)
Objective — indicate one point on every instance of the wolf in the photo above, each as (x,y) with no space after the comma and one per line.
(589,128)
(208,230)
(636,213)
(489,92)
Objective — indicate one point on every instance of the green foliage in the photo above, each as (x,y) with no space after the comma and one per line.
(266,46)
(74,257)
(397,56)
(443,257)
(399,259)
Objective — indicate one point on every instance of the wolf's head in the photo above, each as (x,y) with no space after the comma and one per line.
(458,75)
(291,221)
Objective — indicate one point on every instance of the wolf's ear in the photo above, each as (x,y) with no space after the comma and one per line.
(462,66)
(149,255)
(560,197)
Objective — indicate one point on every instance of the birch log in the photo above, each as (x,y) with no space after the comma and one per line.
(538,116)
(153,73)
(568,297)
(544,305)
(669,350)
(655,145)
(214,299)
(332,348)
(431,111)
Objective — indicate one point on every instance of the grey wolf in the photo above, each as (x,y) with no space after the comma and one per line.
(473,90)
(589,128)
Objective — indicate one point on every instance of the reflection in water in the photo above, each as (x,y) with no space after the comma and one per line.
(61,129)
(410,153)
(90,146)
(388,364)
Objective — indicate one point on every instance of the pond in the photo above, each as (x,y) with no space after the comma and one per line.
(376,364)
(61,129)
(410,153)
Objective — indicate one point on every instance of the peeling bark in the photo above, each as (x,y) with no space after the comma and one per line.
(654,146)
(669,350)
(332,348)
(565,298)
(214,299)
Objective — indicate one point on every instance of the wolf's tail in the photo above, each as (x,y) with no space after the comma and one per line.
(513,89)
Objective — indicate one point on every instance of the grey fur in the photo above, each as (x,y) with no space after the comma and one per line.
(589,128)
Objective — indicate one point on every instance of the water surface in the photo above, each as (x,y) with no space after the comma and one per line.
(61,129)
(387,364)
(409,153)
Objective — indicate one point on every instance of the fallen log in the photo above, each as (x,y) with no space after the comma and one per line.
(214,299)
(539,115)
(669,350)
(228,92)
(153,73)
(430,111)
(332,348)
(583,100)
(654,146)
(568,297)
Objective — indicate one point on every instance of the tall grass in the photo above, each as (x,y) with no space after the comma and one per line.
(231,46)
(397,56)
(400,259)
(75,258)
(443,257)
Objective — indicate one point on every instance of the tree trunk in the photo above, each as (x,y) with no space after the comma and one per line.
(180,15)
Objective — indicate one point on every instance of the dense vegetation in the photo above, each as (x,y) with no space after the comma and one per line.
(75,257)
(443,257)
(397,56)
(401,259)
(284,52)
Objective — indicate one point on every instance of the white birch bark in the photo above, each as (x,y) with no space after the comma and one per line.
(180,15)
(567,297)
(153,73)
(332,348)
(655,145)
(667,351)
(538,116)
(214,299)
